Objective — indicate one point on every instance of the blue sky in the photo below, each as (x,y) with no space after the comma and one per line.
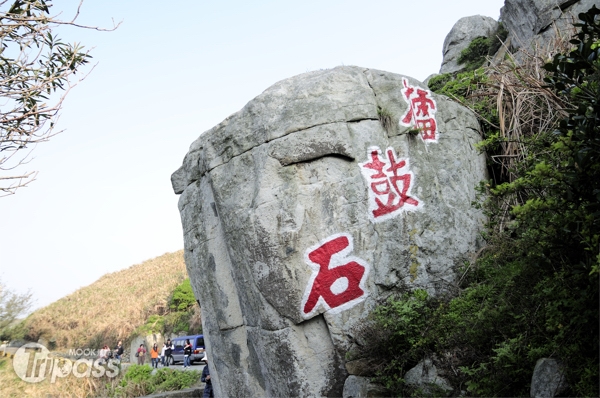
(102,200)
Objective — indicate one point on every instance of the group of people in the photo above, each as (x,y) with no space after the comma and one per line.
(105,353)
(164,356)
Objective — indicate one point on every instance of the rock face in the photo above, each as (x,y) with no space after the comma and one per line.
(530,23)
(536,22)
(461,35)
(301,211)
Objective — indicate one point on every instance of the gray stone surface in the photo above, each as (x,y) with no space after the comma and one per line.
(534,23)
(361,387)
(134,345)
(424,378)
(548,379)
(355,387)
(282,176)
(148,341)
(461,35)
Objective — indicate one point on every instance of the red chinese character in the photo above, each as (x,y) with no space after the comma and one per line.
(428,128)
(390,185)
(421,111)
(337,280)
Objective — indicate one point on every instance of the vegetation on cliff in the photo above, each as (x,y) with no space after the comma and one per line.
(533,290)
(182,316)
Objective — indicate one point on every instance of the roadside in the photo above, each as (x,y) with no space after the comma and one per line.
(63,376)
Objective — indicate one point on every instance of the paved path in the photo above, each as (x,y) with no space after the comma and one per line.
(197,367)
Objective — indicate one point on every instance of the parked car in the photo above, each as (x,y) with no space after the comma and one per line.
(197,342)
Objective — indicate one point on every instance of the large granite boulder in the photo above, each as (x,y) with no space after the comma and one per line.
(464,31)
(301,211)
(535,23)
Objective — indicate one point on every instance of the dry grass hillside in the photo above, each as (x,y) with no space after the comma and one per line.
(110,308)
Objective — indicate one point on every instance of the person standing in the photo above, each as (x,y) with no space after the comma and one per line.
(187,352)
(141,354)
(154,356)
(119,350)
(162,354)
(169,352)
(208,390)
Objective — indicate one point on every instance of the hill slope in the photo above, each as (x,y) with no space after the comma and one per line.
(110,308)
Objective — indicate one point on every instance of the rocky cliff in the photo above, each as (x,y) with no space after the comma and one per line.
(533,26)
(533,23)
(325,194)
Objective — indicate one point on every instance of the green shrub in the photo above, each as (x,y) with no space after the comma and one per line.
(178,322)
(170,380)
(183,297)
(475,55)
(137,374)
(138,381)
(393,337)
(178,318)
(436,83)
(154,324)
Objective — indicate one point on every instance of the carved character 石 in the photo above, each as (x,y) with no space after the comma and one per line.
(337,281)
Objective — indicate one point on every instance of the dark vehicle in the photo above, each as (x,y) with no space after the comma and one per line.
(197,342)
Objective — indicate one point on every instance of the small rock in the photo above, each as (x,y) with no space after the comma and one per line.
(424,377)
(548,379)
(355,387)
(361,387)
